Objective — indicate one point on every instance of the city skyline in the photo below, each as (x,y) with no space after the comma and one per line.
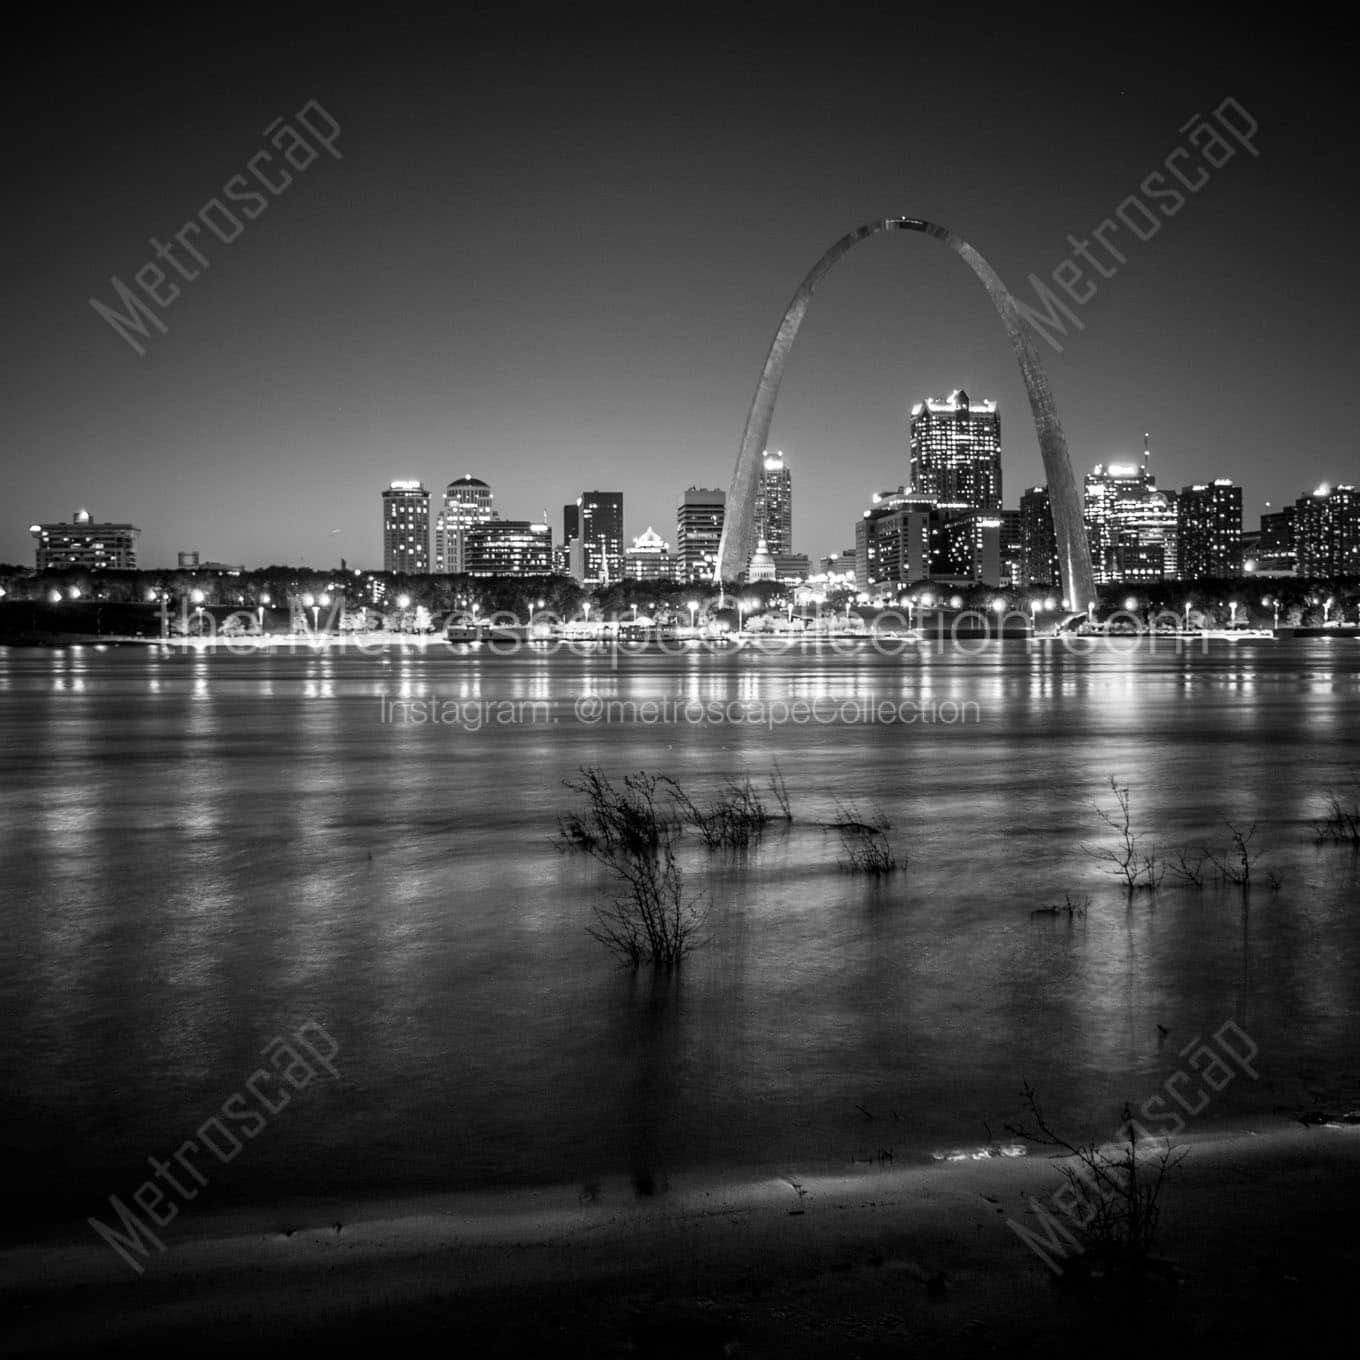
(388,310)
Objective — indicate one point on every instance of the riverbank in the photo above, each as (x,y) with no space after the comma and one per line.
(1257,1238)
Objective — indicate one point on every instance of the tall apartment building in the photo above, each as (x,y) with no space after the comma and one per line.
(406,527)
(1327,531)
(1209,530)
(1038,542)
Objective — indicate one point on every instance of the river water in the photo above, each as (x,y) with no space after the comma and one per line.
(202,852)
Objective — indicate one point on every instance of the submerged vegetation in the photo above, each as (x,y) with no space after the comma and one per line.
(1142,867)
(633,830)
(1340,822)
(738,817)
(1137,867)
(865,848)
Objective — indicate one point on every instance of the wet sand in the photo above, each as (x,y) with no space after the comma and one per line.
(1257,1252)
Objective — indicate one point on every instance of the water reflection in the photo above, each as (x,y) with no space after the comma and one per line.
(200,849)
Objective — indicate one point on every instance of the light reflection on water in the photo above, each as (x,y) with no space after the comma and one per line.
(201,852)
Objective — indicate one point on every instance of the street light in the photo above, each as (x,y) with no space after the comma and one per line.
(197,598)
(693,610)
(1188,603)
(1326,609)
(1232,613)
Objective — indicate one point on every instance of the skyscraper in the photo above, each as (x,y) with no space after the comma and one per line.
(467,501)
(1327,531)
(406,528)
(774,505)
(1209,530)
(1038,543)
(1130,524)
(956,452)
(601,526)
(698,533)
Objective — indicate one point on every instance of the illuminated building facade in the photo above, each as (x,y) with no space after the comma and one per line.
(467,502)
(601,526)
(956,451)
(1038,542)
(1209,531)
(1131,525)
(774,505)
(85,545)
(698,533)
(893,540)
(507,547)
(1327,532)
(406,528)
(649,559)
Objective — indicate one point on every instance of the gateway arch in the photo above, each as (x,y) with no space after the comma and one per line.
(1074,555)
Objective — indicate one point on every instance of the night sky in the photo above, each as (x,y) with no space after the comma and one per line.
(554,251)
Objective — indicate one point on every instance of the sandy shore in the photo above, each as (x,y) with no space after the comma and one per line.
(1258,1236)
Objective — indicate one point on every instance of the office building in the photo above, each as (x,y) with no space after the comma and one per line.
(774,505)
(601,527)
(699,526)
(1275,551)
(649,559)
(1130,524)
(467,502)
(892,541)
(955,452)
(507,547)
(85,545)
